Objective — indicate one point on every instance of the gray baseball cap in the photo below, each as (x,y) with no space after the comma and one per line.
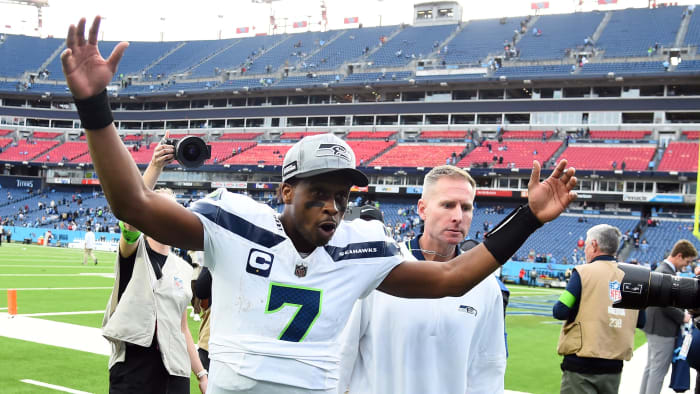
(321,154)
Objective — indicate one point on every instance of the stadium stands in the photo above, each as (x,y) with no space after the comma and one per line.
(313,80)
(46,135)
(5,141)
(132,138)
(680,156)
(27,54)
(261,154)
(530,71)
(297,135)
(558,35)
(350,45)
(376,77)
(220,151)
(692,135)
(632,32)
(189,55)
(519,154)
(622,68)
(365,151)
(183,135)
(601,157)
(68,150)
(239,136)
(462,134)
(660,240)
(417,155)
(4,132)
(25,151)
(291,51)
(527,134)
(479,39)
(413,42)
(357,135)
(620,134)
(235,56)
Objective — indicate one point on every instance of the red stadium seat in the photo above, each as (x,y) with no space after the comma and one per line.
(5,132)
(521,153)
(297,135)
(367,151)
(417,155)
(46,135)
(261,154)
(239,136)
(221,151)
(26,151)
(692,135)
(366,135)
(70,150)
(443,134)
(5,141)
(601,157)
(526,134)
(619,134)
(680,156)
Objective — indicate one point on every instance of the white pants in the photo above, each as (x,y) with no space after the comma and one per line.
(224,380)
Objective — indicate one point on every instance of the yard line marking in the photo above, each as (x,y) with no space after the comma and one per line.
(53,386)
(3,309)
(55,288)
(61,313)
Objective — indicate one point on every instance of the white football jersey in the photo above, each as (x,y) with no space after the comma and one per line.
(417,346)
(277,316)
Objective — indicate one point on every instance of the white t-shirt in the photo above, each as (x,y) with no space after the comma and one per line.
(418,346)
(89,240)
(276,316)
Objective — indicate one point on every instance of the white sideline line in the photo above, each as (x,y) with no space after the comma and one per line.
(56,288)
(53,386)
(83,266)
(3,309)
(96,273)
(61,313)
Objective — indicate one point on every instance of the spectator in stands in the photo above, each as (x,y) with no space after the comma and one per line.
(663,323)
(471,351)
(593,357)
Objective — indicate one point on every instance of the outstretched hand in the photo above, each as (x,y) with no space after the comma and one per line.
(163,154)
(87,73)
(549,198)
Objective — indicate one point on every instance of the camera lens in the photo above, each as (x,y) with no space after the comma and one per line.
(192,152)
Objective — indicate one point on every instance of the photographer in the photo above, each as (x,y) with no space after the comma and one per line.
(596,337)
(151,289)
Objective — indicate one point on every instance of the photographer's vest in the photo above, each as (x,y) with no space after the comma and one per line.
(599,330)
(148,303)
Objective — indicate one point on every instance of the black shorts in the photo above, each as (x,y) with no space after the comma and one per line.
(143,372)
(204,358)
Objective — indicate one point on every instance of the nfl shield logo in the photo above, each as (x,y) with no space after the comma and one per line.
(615,294)
(300,270)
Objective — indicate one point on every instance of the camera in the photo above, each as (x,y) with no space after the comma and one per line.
(190,151)
(640,288)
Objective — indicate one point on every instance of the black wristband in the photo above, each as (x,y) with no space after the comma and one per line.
(94,112)
(510,234)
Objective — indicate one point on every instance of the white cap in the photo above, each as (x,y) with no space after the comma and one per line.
(321,154)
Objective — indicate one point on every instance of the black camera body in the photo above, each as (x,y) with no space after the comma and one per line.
(190,151)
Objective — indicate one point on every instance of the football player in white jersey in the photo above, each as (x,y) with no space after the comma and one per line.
(284,286)
(445,345)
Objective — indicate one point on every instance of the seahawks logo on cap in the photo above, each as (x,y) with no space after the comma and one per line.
(335,150)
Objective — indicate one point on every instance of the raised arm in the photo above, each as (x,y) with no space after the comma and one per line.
(162,156)
(88,75)
(423,279)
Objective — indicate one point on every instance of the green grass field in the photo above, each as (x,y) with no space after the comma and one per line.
(52,280)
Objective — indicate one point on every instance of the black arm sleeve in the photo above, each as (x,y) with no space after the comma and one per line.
(202,286)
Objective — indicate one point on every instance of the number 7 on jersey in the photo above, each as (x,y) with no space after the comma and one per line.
(308,303)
